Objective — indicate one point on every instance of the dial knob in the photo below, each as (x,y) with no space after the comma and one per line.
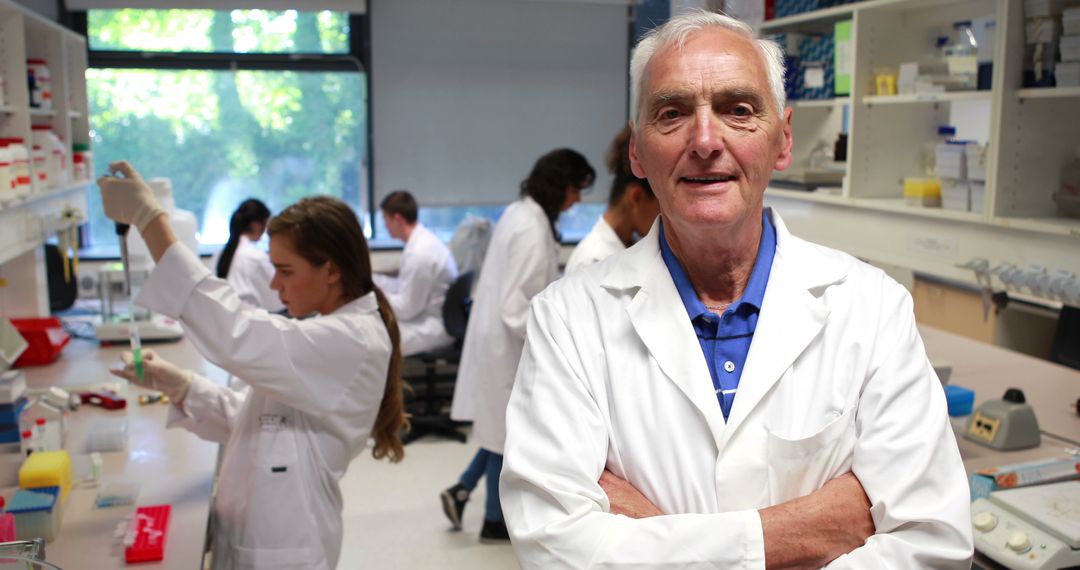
(1019,542)
(985,522)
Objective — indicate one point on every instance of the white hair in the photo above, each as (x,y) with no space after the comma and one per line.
(677,29)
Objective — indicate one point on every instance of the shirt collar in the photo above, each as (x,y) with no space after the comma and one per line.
(754,293)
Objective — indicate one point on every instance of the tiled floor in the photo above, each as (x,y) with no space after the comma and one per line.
(393,518)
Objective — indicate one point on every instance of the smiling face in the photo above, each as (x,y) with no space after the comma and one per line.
(708,134)
(303,288)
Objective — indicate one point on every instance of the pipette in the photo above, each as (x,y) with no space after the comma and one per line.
(133,330)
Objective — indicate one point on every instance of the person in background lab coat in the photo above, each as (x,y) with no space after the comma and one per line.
(318,387)
(632,208)
(425,273)
(522,258)
(723,394)
(246,267)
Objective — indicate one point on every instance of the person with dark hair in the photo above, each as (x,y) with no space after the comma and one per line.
(632,209)
(522,258)
(318,388)
(426,271)
(241,263)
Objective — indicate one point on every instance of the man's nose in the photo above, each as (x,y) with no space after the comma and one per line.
(706,134)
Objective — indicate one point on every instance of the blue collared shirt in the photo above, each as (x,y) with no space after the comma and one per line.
(725,339)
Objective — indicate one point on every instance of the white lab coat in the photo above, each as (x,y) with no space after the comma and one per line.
(600,243)
(836,379)
(417,293)
(249,275)
(522,259)
(314,391)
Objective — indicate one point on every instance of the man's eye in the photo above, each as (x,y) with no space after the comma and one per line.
(669,114)
(742,111)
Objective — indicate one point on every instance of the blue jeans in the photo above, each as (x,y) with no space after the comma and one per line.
(486,464)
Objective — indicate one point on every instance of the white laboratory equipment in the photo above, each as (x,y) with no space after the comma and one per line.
(1036,528)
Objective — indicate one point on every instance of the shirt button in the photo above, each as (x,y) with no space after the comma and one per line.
(729,366)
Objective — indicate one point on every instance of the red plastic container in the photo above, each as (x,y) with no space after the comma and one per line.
(46,338)
(150,528)
(7,527)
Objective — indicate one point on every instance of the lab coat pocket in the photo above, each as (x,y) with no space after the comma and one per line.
(798,467)
(278,558)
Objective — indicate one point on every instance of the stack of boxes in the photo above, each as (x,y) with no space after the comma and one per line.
(961,165)
(45,480)
(1052,29)
(810,65)
(792,7)
(1067,72)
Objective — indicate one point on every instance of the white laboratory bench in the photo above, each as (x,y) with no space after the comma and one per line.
(171,466)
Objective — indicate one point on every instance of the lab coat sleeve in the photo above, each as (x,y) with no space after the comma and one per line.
(555,452)
(304,363)
(527,274)
(906,455)
(209,410)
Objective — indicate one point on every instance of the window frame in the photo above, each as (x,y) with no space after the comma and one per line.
(357,59)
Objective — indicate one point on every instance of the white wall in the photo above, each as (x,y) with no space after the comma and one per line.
(467,94)
(46,8)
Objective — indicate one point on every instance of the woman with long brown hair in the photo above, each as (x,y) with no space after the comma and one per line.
(319,388)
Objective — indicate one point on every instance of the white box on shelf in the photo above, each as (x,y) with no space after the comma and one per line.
(1042,8)
(950,161)
(1070,22)
(1067,74)
(978,196)
(955,195)
(1070,48)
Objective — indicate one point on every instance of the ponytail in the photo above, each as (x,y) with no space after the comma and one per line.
(392,418)
(250,210)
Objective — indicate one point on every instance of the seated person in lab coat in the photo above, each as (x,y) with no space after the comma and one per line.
(723,394)
(632,209)
(319,388)
(246,267)
(425,273)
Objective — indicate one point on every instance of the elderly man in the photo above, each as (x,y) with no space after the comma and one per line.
(426,271)
(724,394)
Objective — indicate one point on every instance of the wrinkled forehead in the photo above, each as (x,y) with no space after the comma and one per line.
(710,54)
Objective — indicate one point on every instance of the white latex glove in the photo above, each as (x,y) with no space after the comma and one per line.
(158,374)
(128,200)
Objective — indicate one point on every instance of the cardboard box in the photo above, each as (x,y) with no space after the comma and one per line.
(843,58)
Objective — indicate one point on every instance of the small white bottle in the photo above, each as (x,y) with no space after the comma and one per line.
(20,165)
(7,187)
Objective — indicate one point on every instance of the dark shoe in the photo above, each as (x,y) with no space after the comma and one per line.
(453,504)
(494,532)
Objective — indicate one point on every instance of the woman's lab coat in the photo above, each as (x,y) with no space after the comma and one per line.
(249,275)
(417,293)
(600,243)
(314,391)
(522,259)
(836,379)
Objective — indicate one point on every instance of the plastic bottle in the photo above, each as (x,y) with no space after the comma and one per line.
(55,154)
(962,55)
(81,153)
(20,166)
(7,188)
(40,82)
(41,169)
(27,442)
(39,434)
(1070,176)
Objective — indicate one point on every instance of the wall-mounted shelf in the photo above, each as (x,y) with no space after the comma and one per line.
(1049,93)
(42,112)
(1057,226)
(7,109)
(899,205)
(816,103)
(74,114)
(926,98)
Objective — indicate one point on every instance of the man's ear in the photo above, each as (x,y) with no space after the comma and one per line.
(783,160)
(635,164)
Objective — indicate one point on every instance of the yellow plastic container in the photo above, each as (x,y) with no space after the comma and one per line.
(47,469)
(920,191)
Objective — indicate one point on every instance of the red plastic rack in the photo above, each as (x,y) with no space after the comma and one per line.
(151,528)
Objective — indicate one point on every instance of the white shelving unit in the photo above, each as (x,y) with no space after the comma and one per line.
(27,222)
(1030,133)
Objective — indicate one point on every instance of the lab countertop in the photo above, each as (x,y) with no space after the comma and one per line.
(172,467)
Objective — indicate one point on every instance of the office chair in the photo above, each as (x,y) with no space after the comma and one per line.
(429,406)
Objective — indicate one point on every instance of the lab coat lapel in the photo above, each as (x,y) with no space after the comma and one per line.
(791,316)
(659,318)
